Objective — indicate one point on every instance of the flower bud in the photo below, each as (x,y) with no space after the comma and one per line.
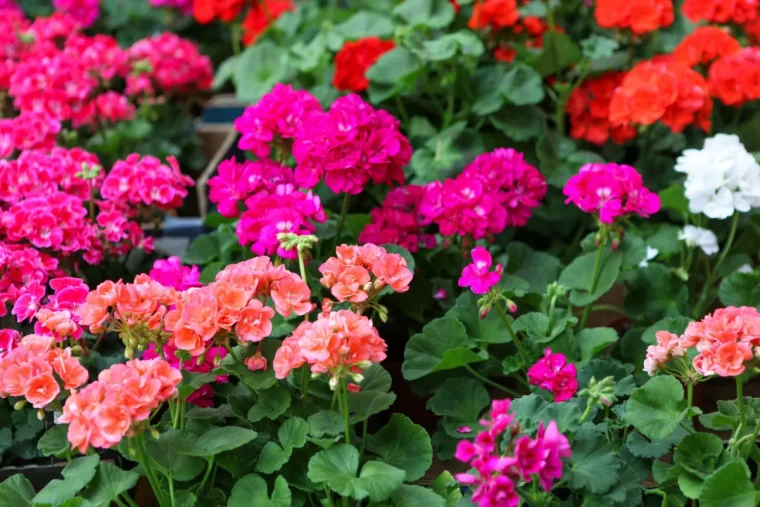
(19,405)
(41,415)
(511,306)
(129,353)
(333,383)
(357,377)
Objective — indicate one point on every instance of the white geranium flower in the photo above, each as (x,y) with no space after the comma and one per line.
(721,178)
(745,268)
(651,254)
(703,238)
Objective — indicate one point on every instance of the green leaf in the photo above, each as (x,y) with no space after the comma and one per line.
(449,46)
(77,474)
(224,72)
(260,67)
(579,274)
(161,450)
(417,496)
(442,345)
(741,289)
(594,340)
(374,396)
(252,491)
(522,85)
(488,330)
(539,269)
(404,445)
(272,458)
(447,488)
(656,408)
(16,491)
(201,251)
(337,467)
(186,499)
(110,481)
(519,122)
(429,13)
(559,51)
(532,409)
(597,46)
(698,453)
(728,487)
(292,433)
(215,441)
(272,404)
(392,73)
(593,463)
(460,401)
(640,447)
(53,442)
(325,422)
(673,198)
(366,24)
(191,382)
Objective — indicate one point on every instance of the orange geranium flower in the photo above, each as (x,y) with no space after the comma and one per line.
(704,45)
(662,90)
(639,16)
(496,14)
(206,11)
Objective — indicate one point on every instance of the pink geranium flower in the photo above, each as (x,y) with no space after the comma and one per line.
(553,373)
(478,275)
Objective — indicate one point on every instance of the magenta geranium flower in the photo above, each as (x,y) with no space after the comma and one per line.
(553,373)
(478,275)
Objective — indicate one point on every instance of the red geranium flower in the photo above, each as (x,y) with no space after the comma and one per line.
(353,61)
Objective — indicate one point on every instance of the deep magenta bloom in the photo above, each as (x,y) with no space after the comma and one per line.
(478,275)
(612,191)
(398,221)
(171,273)
(350,145)
(85,12)
(280,114)
(553,373)
(236,182)
(556,447)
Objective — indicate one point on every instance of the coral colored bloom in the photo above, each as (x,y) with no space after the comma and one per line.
(256,362)
(354,60)
(41,390)
(641,16)
(589,111)
(496,14)
(255,322)
(721,11)
(611,190)
(478,275)
(261,15)
(704,45)
(553,373)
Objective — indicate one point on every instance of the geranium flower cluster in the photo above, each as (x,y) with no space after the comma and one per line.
(354,60)
(261,15)
(496,190)
(206,11)
(27,131)
(642,16)
(705,239)
(704,45)
(9,340)
(734,78)
(111,408)
(58,316)
(662,90)
(501,466)
(275,119)
(33,368)
(724,340)
(339,344)
(495,14)
(721,178)
(398,220)
(553,373)
(589,111)
(22,269)
(358,273)
(146,181)
(611,191)
(85,12)
(350,145)
(478,275)
(721,11)
(167,63)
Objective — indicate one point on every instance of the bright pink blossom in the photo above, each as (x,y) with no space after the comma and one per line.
(278,116)
(145,180)
(612,191)
(398,221)
(85,12)
(171,273)
(553,373)
(236,182)
(478,275)
(350,145)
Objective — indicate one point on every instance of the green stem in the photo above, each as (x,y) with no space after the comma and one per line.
(364,438)
(751,442)
(341,221)
(206,476)
(740,405)
(703,298)
(128,499)
(142,456)
(171,490)
(594,281)
(449,113)
(689,395)
(305,377)
(586,412)
(302,268)
(520,348)
(490,382)
(345,409)
(235,36)
(402,110)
